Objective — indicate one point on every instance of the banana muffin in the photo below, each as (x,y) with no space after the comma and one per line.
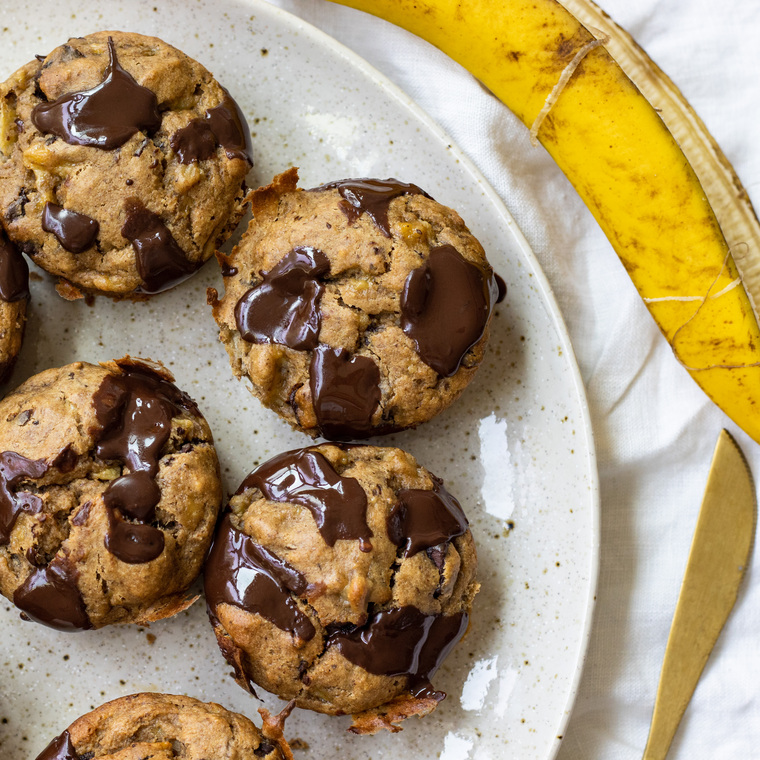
(122,164)
(167,727)
(340,577)
(109,493)
(357,308)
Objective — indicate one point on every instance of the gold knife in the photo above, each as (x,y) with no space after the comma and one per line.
(720,551)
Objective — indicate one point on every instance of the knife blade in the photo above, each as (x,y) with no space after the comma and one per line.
(720,551)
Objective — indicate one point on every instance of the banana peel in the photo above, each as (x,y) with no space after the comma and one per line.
(639,157)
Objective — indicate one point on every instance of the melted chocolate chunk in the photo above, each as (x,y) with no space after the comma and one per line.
(17,207)
(50,596)
(75,232)
(345,391)
(15,468)
(242,573)
(423,519)
(135,411)
(231,130)
(66,459)
(195,142)
(14,272)
(133,543)
(134,495)
(161,263)
(445,308)
(264,749)
(284,308)
(371,197)
(402,642)
(104,117)
(223,125)
(306,478)
(60,748)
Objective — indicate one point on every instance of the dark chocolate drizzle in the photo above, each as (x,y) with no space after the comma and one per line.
(242,573)
(15,468)
(445,308)
(14,272)
(284,307)
(371,197)
(60,748)
(305,477)
(75,232)
(104,117)
(161,263)
(135,411)
(50,596)
(223,125)
(424,519)
(345,391)
(402,641)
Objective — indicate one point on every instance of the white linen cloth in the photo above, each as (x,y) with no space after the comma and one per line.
(654,428)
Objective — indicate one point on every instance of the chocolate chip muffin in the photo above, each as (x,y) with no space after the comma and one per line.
(340,577)
(356,308)
(122,164)
(14,299)
(167,727)
(109,492)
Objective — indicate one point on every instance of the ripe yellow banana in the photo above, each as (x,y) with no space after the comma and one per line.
(639,157)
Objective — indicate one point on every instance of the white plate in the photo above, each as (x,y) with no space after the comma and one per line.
(516,449)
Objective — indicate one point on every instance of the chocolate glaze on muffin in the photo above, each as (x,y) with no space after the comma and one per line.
(358,308)
(341,576)
(109,492)
(166,727)
(122,164)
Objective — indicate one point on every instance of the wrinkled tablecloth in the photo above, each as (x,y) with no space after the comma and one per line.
(654,428)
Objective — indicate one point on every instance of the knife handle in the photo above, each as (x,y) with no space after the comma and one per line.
(719,554)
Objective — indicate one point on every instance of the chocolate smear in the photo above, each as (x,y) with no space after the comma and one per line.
(371,197)
(161,263)
(14,272)
(104,117)
(75,232)
(223,125)
(50,596)
(284,307)
(14,469)
(445,308)
(402,641)
(60,748)
(305,477)
(424,519)
(135,411)
(345,391)
(242,573)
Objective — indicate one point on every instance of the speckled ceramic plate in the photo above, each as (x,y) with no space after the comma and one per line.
(516,449)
